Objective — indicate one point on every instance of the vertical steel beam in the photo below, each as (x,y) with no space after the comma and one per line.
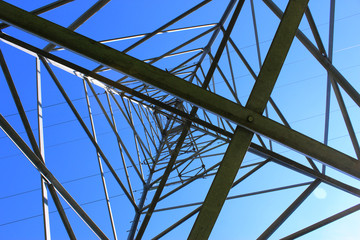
(257,101)
(102,176)
(45,200)
(32,140)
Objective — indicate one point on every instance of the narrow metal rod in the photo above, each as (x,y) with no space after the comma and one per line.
(144,34)
(237,196)
(31,138)
(45,200)
(281,219)
(136,139)
(315,31)
(176,48)
(113,172)
(198,209)
(322,223)
(114,131)
(182,220)
(286,162)
(231,69)
(335,86)
(273,104)
(120,148)
(157,58)
(42,9)
(146,132)
(226,81)
(148,36)
(188,123)
(328,81)
(176,86)
(258,53)
(36,161)
(99,162)
(323,60)
(147,186)
(61,212)
(212,168)
(134,130)
(257,102)
(82,19)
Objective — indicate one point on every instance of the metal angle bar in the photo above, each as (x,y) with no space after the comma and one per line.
(56,81)
(120,148)
(136,136)
(231,69)
(279,159)
(259,55)
(336,89)
(188,124)
(199,208)
(176,86)
(42,9)
(82,19)
(173,226)
(99,162)
(323,60)
(176,48)
(147,186)
(216,33)
(80,70)
(36,161)
(142,35)
(237,196)
(225,80)
(43,183)
(273,104)
(148,36)
(241,140)
(281,219)
(315,31)
(114,130)
(158,58)
(147,135)
(142,145)
(322,223)
(61,212)
(31,138)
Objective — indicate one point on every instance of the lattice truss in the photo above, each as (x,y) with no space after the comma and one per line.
(151,119)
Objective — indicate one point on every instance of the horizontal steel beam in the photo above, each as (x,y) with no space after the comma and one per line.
(176,86)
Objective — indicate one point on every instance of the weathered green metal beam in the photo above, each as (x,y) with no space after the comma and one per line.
(174,85)
(241,140)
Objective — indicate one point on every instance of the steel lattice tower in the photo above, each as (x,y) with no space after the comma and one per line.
(178,120)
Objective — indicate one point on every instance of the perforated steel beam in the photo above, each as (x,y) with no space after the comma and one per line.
(176,86)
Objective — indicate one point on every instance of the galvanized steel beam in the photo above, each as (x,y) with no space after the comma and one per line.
(167,82)
(241,140)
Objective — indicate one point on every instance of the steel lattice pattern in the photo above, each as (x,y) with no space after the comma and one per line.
(179,119)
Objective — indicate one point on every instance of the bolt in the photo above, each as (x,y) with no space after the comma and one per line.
(250,118)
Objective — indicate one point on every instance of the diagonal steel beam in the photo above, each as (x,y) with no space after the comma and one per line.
(241,140)
(176,86)
(45,172)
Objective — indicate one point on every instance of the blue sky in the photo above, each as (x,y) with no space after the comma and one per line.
(299,93)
